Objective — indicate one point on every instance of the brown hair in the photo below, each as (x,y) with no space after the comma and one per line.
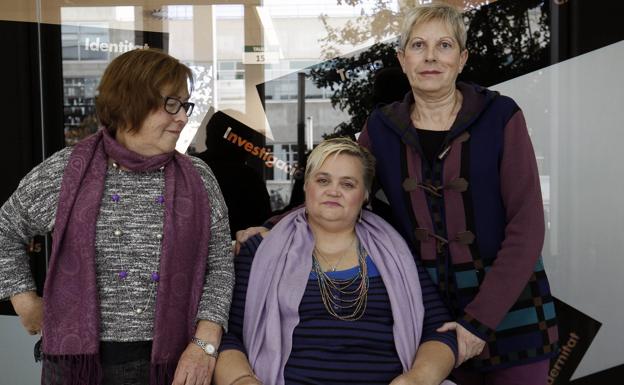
(132,87)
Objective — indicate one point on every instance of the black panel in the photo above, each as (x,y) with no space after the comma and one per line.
(581,26)
(26,139)
(511,38)
(612,376)
(157,40)
(576,333)
(52,87)
(20,148)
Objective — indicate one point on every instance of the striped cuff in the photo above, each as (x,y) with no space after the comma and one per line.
(447,338)
(475,327)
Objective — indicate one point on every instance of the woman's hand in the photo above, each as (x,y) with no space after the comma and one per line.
(409,379)
(433,363)
(243,235)
(194,368)
(403,379)
(247,380)
(29,307)
(468,344)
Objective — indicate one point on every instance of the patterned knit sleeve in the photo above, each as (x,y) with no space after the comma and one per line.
(29,211)
(524,233)
(217,295)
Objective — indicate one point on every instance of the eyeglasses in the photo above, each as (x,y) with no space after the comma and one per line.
(173,105)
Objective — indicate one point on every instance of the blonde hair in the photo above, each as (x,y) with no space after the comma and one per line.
(336,146)
(438,12)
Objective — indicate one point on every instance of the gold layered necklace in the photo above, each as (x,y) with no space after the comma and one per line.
(320,253)
(340,300)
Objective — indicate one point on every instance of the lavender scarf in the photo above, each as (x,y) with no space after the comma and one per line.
(279,275)
(71,312)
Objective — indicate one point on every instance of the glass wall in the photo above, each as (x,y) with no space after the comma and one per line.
(558,59)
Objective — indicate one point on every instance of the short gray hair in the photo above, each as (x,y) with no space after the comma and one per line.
(439,12)
(346,146)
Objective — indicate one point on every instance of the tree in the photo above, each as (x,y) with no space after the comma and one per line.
(380,25)
(351,80)
(506,39)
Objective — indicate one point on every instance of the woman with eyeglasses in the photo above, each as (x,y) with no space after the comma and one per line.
(140,277)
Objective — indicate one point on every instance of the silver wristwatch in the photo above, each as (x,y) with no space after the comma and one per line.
(207,347)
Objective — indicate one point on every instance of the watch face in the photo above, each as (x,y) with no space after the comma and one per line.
(210,349)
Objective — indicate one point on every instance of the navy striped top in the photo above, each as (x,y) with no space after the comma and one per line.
(327,350)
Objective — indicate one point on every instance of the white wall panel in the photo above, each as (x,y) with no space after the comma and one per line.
(575,112)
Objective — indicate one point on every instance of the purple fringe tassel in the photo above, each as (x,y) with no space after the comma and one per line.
(162,374)
(86,369)
(81,369)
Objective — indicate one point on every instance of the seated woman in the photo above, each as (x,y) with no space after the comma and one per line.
(329,296)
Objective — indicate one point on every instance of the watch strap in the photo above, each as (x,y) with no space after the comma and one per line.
(206,346)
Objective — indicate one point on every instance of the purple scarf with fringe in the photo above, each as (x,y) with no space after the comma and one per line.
(279,275)
(71,312)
